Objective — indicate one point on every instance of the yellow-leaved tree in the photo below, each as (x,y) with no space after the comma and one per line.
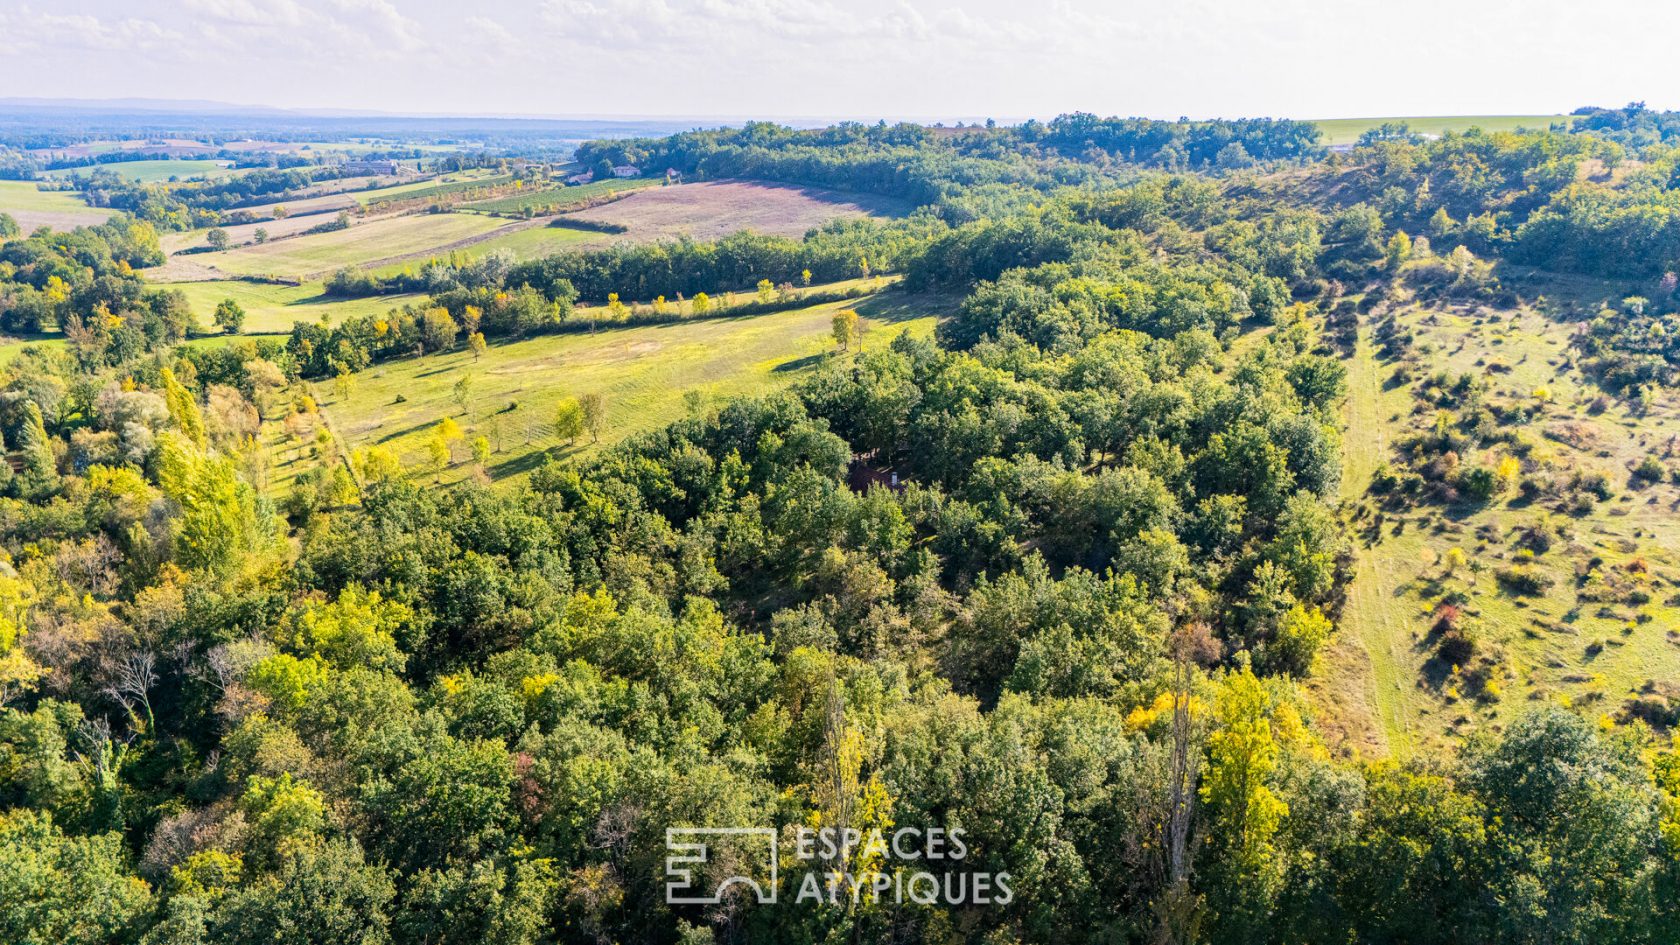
(844,326)
(223,522)
(17,671)
(1242,757)
(857,811)
(183,408)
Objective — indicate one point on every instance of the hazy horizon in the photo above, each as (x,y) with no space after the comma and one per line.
(816,59)
(212,107)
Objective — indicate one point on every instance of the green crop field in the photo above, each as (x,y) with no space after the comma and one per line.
(153,171)
(271,308)
(548,200)
(32,207)
(642,373)
(1348,130)
(1564,644)
(314,255)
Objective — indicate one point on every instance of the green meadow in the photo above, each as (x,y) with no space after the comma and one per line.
(524,242)
(1384,686)
(643,373)
(149,172)
(272,308)
(33,207)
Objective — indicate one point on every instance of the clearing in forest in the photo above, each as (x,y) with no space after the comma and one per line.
(643,373)
(1567,601)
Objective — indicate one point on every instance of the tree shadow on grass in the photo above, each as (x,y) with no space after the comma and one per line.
(897,305)
(404,431)
(799,364)
(534,459)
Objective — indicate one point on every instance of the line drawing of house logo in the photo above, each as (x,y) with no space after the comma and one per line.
(688,848)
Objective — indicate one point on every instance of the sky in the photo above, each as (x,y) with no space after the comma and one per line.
(896,59)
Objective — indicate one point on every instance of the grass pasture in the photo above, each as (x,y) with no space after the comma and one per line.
(642,372)
(32,207)
(1348,130)
(245,233)
(272,309)
(1384,686)
(11,346)
(151,172)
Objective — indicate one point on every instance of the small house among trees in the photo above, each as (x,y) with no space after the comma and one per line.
(864,471)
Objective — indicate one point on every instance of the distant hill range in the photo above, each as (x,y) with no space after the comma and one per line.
(191,117)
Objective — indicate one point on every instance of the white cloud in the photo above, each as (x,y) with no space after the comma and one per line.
(265,14)
(761,27)
(312,30)
(30,29)
(487,30)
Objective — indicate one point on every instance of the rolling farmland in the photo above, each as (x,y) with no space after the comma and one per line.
(246,233)
(558,199)
(315,255)
(453,185)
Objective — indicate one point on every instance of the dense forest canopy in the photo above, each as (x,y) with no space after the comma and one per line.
(1051,578)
